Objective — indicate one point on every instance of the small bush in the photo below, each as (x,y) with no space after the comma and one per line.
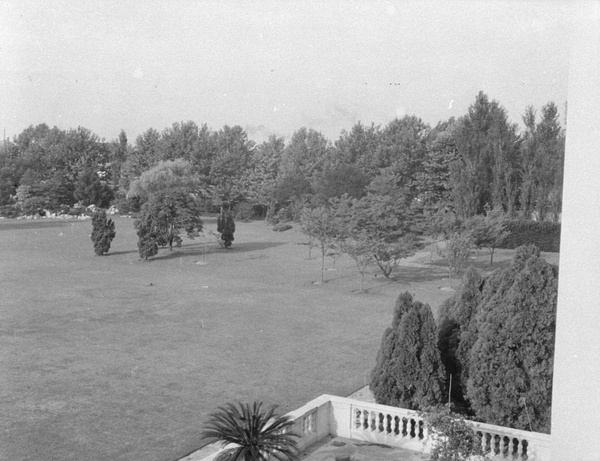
(9,211)
(35,206)
(453,438)
(282,227)
(544,235)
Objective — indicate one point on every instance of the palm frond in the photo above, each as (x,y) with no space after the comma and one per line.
(257,434)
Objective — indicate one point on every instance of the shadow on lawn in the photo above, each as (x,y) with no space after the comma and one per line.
(201,249)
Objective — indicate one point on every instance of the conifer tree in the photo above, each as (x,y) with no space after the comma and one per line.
(510,363)
(103,232)
(409,372)
(455,338)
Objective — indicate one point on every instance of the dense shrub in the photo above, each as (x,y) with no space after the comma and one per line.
(544,235)
(103,232)
(35,206)
(409,372)
(281,227)
(9,211)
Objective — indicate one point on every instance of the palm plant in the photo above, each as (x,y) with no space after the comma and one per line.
(256,434)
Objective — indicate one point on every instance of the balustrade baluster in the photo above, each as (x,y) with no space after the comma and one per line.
(421,426)
(388,427)
(412,428)
(380,425)
(397,425)
(504,446)
(404,427)
(357,415)
(525,452)
(373,421)
(366,419)
(484,442)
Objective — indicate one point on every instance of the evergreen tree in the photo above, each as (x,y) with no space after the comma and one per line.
(90,190)
(103,232)
(409,372)
(454,340)
(510,363)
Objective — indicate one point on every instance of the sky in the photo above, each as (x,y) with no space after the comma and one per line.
(274,67)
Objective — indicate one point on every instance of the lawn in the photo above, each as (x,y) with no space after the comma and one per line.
(116,358)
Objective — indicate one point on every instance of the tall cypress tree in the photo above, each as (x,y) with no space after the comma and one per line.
(510,363)
(456,334)
(103,232)
(409,372)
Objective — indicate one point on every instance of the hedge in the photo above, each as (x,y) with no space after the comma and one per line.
(544,235)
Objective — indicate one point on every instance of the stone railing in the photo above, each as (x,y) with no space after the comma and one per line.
(330,415)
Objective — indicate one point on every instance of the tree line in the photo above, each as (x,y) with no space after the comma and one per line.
(465,164)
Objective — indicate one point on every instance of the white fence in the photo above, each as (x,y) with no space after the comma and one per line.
(397,427)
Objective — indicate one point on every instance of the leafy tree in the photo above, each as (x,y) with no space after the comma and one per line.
(339,180)
(385,225)
(510,363)
(409,372)
(162,219)
(488,231)
(165,176)
(361,252)
(90,190)
(433,181)
(306,154)
(322,225)
(402,151)
(262,181)
(103,232)
(251,433)
(541,164)
(230,166)
(360,147)
(456,252)
(487,167)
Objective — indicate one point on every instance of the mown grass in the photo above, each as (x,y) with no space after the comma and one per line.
(115,358)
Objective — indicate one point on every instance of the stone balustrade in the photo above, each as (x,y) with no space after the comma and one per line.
(341,417)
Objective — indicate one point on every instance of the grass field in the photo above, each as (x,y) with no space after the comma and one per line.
(115,358)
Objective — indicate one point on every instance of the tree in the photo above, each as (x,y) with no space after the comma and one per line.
(90,190)
(488,231)
(385,225)
(541,164)
(103,232)
(321,224)
(162,219)
(338,180)
(486,170)
(456,252)
(165,176)
(250,433)
(362,254)
(455,339)
(226,227)
(409,372)
(510,363)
